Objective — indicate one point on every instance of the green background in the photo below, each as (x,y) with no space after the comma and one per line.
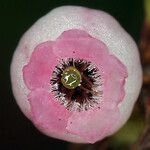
(16,16)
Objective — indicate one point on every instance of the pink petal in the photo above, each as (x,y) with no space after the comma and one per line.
(94,125)
(73,34)
(47,113)
(38,71)
(114,75)
(79,44)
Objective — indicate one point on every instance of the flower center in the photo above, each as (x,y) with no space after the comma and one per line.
(76,83)
(71,78)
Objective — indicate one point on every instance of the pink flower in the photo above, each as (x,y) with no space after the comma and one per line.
(89,50)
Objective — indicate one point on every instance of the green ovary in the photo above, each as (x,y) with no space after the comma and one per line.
(71,78)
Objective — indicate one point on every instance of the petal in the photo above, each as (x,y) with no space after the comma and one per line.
(114,74)
(73,34)
(94,125)
(37,72)
(47,113)
(78,44)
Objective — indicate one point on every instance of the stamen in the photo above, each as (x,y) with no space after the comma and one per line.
(76,83)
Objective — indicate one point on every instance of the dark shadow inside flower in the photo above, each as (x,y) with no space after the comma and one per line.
(86,94)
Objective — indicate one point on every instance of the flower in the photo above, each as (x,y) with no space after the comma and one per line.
(72,74)
(91,124)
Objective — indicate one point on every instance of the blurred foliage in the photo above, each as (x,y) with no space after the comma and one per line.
(147,9)
(130,132)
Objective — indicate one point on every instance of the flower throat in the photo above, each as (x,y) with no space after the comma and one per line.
(75,83)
